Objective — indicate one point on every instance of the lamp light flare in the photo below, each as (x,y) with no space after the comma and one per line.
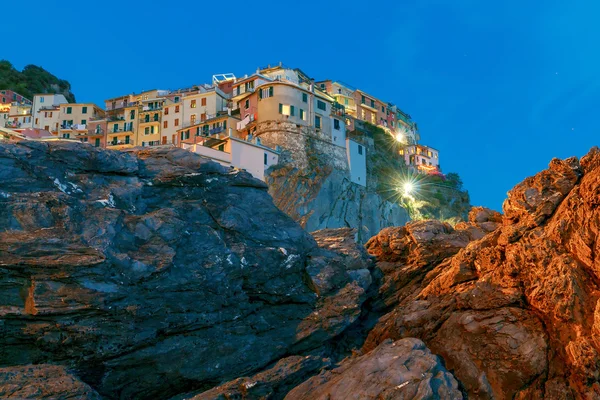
(399,137)
(408,188)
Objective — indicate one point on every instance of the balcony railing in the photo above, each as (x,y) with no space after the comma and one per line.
(121,105)
(75,127)
(119,142)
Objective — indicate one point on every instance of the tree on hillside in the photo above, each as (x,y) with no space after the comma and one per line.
(32,80)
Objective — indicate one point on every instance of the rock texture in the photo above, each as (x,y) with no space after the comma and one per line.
(157,272)
(404,369)
(42,382)
(514,313)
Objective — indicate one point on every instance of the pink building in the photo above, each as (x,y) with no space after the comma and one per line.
(8,96)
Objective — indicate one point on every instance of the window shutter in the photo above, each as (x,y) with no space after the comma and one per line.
(292,111)
(280,108)
(271,91)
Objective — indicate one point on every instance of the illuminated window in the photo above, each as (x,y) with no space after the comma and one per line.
(193,105)
(193,119)
(363,115)
(302,115)
(373,118)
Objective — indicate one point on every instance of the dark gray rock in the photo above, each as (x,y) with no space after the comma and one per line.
(156,272)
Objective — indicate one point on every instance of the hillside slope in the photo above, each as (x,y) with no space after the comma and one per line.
(32,80)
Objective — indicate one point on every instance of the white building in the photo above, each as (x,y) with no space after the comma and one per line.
(357,161)
(233,152)
(46,103)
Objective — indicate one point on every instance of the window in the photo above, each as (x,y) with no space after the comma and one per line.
(147,118)
(360,149)
(83,121)
(152,129)
(203,117)
(116,128)
(192,119)
(224,124)
(336,124)
(165,124)
(84,110)
(345,101)
(247,104)
(373,103)
(203,101)
(176,122)
(41,99)
(305,97)
(265,158)
(69,110)
(147,130)
(222,147)
(373,118)
(382,109)
(317,122)
(302,115)
(292,111)
(193,105)
(176,100)
(132,114)
(363,114)
(362,99)
(266,92)
(176,109)
(280,108)
(97,142)
(36,121)
(321,105)
(166,110)
(155,117)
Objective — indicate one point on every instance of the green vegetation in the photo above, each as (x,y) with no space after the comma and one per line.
(32,80)
(434,197)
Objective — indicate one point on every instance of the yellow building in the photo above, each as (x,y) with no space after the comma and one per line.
(121,122)
(74,119)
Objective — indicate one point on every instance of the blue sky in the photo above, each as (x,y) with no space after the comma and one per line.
(500,88)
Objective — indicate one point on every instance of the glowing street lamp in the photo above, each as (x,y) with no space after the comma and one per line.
(399,137)
(408,188)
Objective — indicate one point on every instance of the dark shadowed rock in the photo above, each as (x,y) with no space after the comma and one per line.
(156,272)
(404,369)
(272,383)
(42,382)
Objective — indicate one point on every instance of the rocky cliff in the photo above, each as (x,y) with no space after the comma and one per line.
(152,273)
(157,274)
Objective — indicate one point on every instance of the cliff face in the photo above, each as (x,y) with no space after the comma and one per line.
(312,184)
(515,313)
(155,272)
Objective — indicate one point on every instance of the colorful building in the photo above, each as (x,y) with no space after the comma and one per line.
(75,119)
(44,111)
(421,158)
(8,96)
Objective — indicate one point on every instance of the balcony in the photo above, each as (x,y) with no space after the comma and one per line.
(73,127)
(338,109)
(243,124)
(369,105)
(114,143)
